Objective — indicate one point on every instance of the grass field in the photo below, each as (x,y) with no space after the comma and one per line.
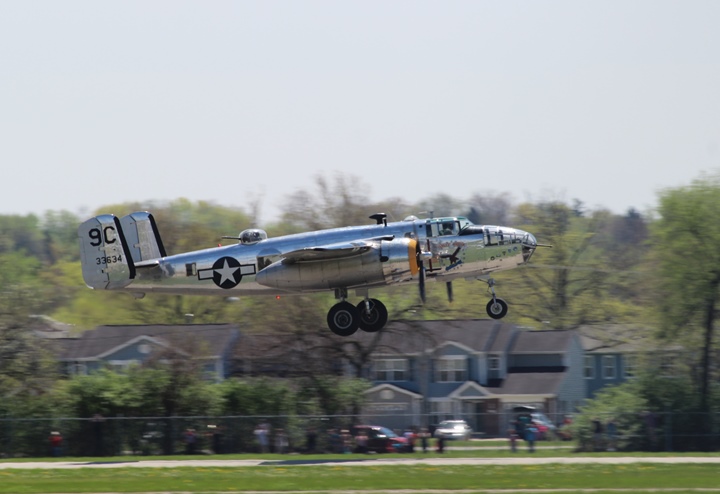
(566,478)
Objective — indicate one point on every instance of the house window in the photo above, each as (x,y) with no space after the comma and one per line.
(121,365)
(391,370)
(494,363)
(629,364)
(78,369)
(609,370)
(441,410)
(450,370)
(589,367)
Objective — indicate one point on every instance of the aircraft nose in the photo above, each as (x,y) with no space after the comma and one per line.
(529,240)
(529,244)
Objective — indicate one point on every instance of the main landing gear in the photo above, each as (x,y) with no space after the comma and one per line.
(344,318)
(371,315)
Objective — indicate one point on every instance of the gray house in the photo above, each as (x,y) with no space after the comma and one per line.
(614,353)
(478,370)
(118,347)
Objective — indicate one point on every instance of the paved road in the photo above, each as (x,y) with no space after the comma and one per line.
(363,462)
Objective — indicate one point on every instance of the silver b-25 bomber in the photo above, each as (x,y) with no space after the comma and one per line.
(127,253)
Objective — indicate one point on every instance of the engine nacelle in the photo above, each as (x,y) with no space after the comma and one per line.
(386,262)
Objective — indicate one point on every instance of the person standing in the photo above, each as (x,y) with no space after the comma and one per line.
(190,439)
(531,431)
(424,436)
(513,436)
(55,444)
(311,440)
(261,434)
(440,444)
(281,442)
(361,442)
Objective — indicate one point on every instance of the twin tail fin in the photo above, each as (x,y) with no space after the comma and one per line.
(112,248)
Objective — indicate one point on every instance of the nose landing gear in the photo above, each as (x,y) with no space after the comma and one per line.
(497,308)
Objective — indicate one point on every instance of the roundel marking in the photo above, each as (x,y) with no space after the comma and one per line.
(226,272)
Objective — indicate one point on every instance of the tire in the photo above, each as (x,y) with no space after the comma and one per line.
(497,309)
(343,319)
(376,319)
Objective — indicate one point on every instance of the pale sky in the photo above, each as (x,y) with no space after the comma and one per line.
(229,101)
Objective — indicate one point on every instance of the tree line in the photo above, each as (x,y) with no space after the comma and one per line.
(659,270)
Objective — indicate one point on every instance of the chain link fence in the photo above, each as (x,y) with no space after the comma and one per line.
(118,436)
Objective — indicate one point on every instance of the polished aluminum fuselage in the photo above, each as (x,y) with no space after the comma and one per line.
(384,255)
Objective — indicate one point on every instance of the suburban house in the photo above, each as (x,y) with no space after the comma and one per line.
(478,370)
(285,355)
(421,372)
(118,347)
(614,353)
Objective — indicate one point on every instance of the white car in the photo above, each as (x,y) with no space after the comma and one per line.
(453,429)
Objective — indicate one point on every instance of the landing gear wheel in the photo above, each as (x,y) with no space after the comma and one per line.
(497,308)
(343,319)
(374,320)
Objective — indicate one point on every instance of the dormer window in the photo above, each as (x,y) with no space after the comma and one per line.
(252,236)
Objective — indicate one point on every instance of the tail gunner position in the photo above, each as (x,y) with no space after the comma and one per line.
(128,254)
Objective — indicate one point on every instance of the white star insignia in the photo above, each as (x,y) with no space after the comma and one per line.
(226,273)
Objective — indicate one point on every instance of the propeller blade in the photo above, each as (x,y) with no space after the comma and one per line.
(449,287)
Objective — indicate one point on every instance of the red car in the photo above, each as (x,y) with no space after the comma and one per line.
(381,439)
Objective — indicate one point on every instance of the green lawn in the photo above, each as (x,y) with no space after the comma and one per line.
(345,477)
(278,476)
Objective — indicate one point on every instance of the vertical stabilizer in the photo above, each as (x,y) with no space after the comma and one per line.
(106,261)
(142,236)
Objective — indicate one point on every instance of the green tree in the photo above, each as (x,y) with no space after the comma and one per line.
(21,234)
(570,284)
(685,241)
(59,232)
(25,364)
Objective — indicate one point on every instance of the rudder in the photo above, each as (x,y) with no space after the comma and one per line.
(106,260)
(143,237)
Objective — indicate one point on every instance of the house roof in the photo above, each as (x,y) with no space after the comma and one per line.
(554,341)
(263,345)
(530,383)
(413,337)
(615,338)
(46,327)
(212,339)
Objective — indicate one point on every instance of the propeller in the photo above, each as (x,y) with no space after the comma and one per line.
(420,256)
(449,287)
(421,282)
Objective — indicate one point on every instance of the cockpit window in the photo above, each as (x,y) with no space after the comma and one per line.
(438,227)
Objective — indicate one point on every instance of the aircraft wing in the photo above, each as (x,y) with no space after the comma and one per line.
(328,252)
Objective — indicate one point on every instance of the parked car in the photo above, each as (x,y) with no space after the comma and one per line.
(381,439)
(453,429)
(546,429)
